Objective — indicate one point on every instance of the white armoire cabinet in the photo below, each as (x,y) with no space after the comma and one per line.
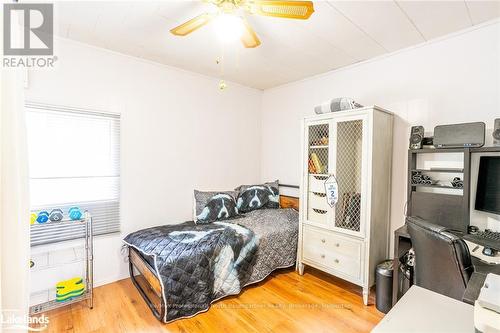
(349,239)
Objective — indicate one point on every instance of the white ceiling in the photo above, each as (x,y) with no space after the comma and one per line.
(338,33)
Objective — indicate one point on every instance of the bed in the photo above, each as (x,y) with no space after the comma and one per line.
(181,277)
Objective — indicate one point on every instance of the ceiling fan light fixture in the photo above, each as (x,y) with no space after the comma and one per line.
(228,27)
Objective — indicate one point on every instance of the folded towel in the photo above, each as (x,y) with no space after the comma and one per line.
(69,288)
(69,296)
(61,294)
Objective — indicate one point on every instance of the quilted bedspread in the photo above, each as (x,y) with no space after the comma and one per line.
(198,264)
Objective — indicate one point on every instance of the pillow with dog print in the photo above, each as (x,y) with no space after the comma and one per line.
(219,207)
(201,198)
(260,196)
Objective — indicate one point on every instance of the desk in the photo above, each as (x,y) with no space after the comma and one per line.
(422,310)
(402,243)
(476,252)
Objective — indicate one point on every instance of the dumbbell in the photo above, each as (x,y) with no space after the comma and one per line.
(75,213)
(56,215)
(43,217)
(457,182)
(33,218)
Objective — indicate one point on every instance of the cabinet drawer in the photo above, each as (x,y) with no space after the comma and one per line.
(333,260)
(317,183)
(331,242)
(317,201)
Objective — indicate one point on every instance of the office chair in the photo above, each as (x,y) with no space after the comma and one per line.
(442,260)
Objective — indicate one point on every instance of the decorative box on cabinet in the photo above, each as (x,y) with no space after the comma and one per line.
(351,238)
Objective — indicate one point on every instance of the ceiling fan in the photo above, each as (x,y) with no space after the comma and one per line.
(230,12)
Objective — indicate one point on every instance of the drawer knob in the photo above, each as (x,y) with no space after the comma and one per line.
(337,244)
(336,261)
(322,256)
(323,240)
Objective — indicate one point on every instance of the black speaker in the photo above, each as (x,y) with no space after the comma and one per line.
(496,132)
(459,135)
(416,137)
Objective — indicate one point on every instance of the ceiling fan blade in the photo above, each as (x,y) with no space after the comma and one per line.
(284,9)
(249,37)
(192,25)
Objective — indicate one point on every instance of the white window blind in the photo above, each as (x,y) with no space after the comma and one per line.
(74,160)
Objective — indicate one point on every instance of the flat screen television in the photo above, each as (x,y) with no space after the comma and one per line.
(488,185)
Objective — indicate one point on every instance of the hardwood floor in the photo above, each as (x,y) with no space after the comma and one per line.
(284,302)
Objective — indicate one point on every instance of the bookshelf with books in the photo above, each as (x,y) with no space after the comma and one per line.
(318,148)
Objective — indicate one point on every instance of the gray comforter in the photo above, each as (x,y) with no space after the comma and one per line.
(278,234)
(198,264)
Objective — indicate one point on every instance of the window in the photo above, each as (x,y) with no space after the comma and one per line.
(74,160)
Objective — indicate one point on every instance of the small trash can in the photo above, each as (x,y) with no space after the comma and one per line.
(383,279)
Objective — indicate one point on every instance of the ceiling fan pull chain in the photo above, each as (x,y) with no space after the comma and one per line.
(220,62)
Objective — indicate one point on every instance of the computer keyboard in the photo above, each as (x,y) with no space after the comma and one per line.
(487,238)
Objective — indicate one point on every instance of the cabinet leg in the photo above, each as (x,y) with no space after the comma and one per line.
(301,268)
(366,293)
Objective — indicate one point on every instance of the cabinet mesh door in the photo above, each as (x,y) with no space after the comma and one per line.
(318,172)
(318,149)
(348,173)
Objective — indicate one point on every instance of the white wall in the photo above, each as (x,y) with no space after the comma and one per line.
(179,132)
(452,80)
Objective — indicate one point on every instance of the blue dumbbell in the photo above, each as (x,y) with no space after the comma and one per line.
(56,215)
(43,217)
(75,213)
